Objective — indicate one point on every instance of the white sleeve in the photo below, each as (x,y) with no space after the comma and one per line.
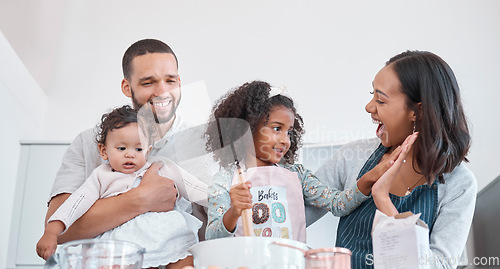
(78,162)
(454,218)
(79,201)
(342,169)
(188,186)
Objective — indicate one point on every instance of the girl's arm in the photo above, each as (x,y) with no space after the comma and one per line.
(341,170)
(317,194)
(240,199)
(223,206)
(342,203)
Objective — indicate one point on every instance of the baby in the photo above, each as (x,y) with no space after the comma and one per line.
(124,144)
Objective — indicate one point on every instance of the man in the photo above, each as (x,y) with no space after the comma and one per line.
(150,71)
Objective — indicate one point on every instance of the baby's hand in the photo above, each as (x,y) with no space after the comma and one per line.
(240,197)
(46,246)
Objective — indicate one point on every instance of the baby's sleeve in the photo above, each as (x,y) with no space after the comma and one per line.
(188,186)
(79,201)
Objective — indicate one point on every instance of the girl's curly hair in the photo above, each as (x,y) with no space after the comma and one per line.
(116,119)
(249,102)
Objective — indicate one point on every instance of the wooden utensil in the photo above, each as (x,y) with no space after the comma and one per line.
(246,214)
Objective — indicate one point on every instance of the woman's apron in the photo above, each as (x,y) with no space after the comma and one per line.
(354,230)
(278,203)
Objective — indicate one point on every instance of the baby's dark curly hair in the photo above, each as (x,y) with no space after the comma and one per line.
(251,103)
(116,119)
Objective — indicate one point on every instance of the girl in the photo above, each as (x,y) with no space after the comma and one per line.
(276,189)
(166,236)
(415,91)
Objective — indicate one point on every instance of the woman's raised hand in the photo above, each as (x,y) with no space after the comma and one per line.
(381,188)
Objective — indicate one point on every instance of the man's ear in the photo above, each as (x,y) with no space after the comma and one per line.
(126,89)
(102,150)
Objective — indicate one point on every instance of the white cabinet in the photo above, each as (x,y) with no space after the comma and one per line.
(38,166)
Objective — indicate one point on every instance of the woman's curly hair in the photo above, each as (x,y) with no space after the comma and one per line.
(251,103)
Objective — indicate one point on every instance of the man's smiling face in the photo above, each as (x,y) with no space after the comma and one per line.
(156,82)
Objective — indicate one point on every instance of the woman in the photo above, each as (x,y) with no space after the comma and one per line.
(416,91)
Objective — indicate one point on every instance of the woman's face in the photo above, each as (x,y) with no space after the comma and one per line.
(389,110)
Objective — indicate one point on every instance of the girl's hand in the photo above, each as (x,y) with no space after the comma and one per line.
(240,199)
(381,188)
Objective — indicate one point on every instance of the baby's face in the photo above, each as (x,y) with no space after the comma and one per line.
(125,149)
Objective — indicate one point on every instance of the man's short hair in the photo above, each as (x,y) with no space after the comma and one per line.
(142,47)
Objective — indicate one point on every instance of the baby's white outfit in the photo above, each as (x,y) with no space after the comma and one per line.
(166,236)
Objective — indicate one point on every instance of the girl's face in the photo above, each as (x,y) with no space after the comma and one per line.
(125,149)
(272,140)
(389,110)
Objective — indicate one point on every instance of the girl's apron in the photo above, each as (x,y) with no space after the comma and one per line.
(278,204)
(354,230)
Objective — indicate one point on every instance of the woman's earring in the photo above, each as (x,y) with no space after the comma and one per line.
(414,126)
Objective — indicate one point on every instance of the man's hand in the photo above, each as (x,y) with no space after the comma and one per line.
(156,193)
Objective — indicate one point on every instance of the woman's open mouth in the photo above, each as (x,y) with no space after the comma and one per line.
(380,129)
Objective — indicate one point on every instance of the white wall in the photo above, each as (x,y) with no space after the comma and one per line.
(325,52)
(22,110)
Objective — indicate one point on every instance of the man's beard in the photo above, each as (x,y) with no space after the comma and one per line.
(149,108)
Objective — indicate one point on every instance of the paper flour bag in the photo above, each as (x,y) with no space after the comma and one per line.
(401,241)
